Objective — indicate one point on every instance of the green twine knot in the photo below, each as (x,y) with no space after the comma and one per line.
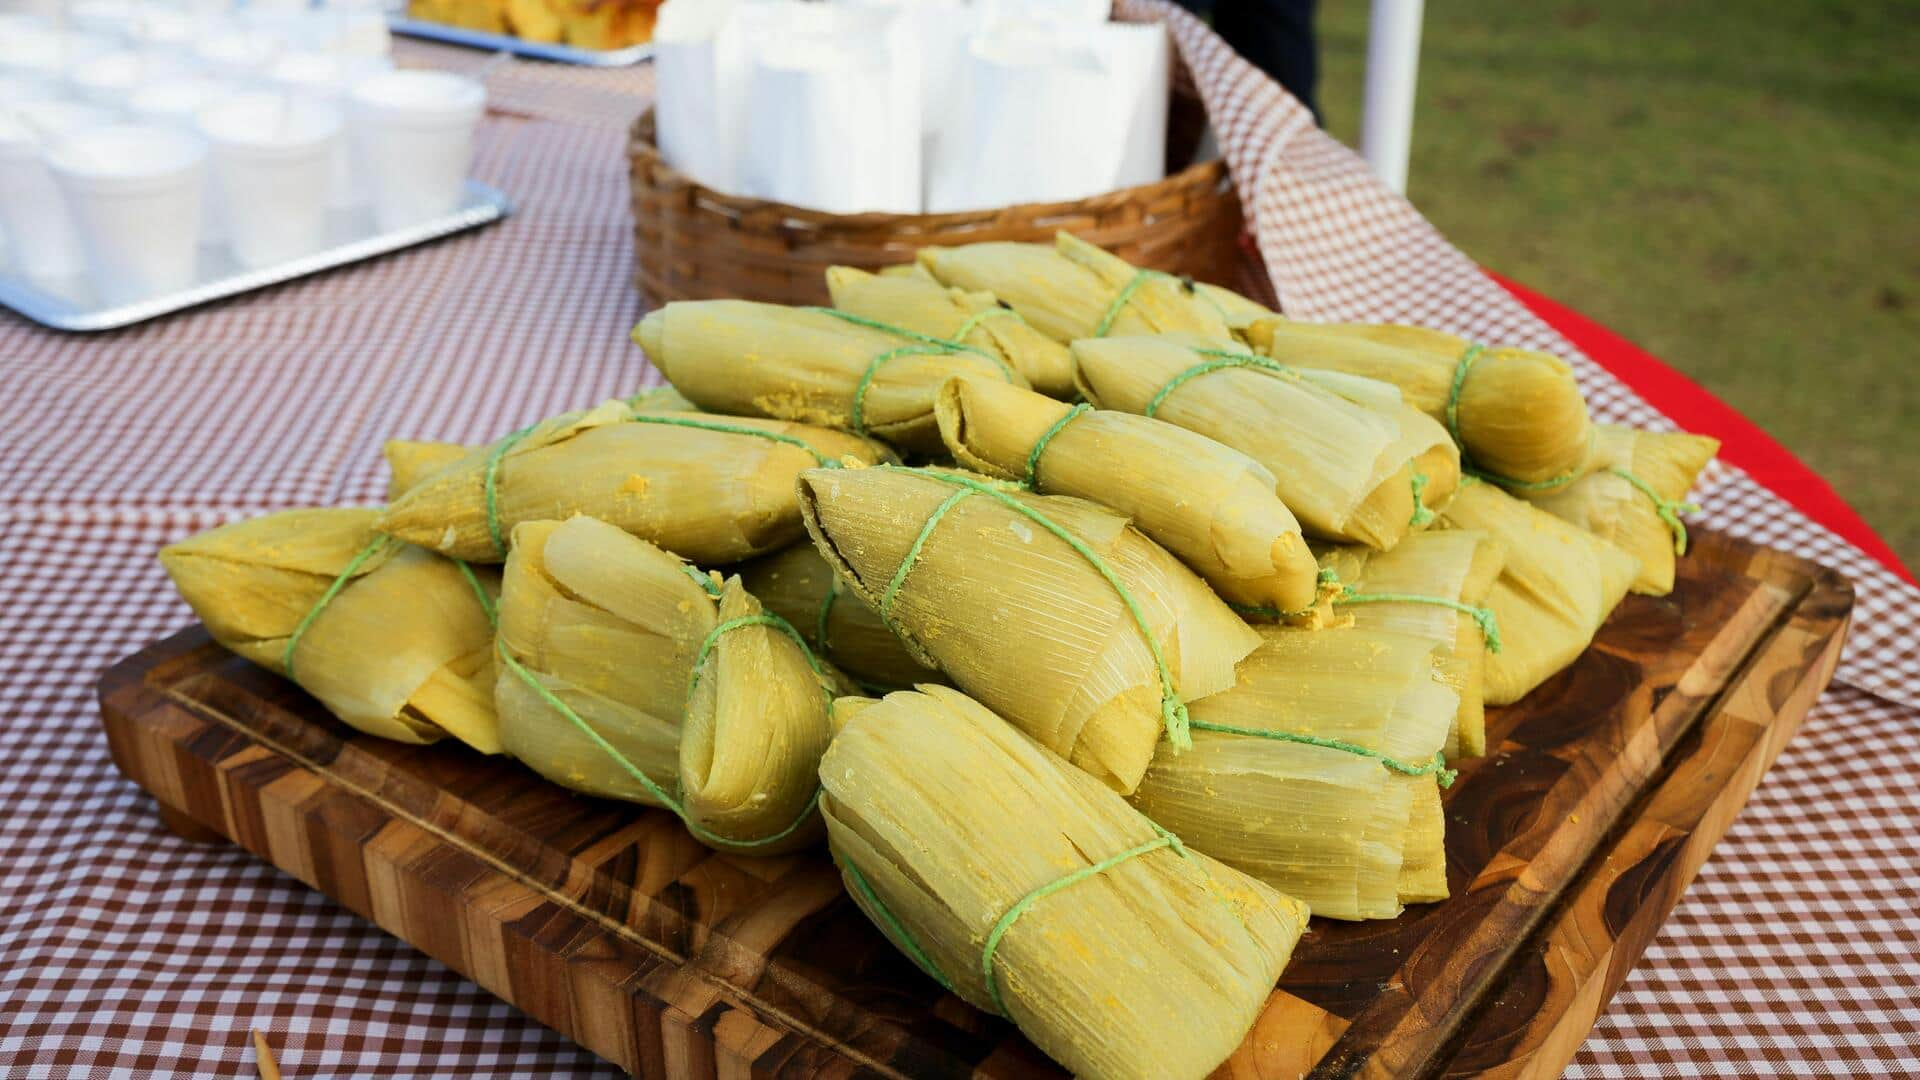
(1668,510)
(374,546)
(1421,515)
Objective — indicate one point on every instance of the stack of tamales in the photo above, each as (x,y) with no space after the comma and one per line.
(1219,596)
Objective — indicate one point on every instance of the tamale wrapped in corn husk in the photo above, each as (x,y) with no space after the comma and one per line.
(1330,824)
(603,631)
(1209,504)
(975,318)
(1051,610)
(796,584)
(1632,496)
(1519,414)
(1344,468)
(1072,290)
(409,462)
(811,365)
(1557,586)
(402,648)
(717,491)
(1028,888)
(1430,572)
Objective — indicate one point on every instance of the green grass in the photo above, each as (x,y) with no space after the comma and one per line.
(1735,187)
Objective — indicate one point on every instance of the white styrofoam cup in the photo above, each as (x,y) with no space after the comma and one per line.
(134,191)
(42,242)
(415,133)
(271,165)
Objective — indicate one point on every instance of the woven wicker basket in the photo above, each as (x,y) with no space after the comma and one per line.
(694,243)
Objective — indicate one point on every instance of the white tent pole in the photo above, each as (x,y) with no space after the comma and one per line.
(1393,66)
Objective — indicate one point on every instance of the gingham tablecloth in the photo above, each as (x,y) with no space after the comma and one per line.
(127,952)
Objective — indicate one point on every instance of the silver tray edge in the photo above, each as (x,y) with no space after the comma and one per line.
(564,54)
(484,204)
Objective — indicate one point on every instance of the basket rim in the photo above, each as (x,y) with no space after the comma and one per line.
(642,145)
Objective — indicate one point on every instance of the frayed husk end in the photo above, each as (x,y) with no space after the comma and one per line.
(400,651)
(756,724)
(1522,416)
(408,462)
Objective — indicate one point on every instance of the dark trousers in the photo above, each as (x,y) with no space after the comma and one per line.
(1275,36)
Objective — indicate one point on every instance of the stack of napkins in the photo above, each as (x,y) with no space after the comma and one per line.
(906,107)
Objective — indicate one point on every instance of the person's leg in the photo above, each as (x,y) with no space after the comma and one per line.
(1276,36)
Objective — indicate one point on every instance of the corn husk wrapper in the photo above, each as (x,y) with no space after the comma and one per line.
(1521,414)
(924,305)
(1237,311)
(1329,826)
(1154,967)
(795,584)
(1456,564)
(1211,505)
(409,462)
(709,496)
(1610,506)
(611,626)
(1344,468)
(806,365)
(402,651)
(1022,621)
(662,399)
(1559,583)
(1067,290)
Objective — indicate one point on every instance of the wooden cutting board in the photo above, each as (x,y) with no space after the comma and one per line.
(1603,794)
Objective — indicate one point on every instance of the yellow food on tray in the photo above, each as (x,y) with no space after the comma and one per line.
(1175,723)
(583,24)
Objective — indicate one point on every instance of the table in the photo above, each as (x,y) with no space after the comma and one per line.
(129,952)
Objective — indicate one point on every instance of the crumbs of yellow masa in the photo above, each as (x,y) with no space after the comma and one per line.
(636,484)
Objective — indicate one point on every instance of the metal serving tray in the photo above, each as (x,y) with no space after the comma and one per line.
(565,54)
(72,305)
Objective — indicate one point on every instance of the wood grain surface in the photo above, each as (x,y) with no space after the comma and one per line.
(1601,796)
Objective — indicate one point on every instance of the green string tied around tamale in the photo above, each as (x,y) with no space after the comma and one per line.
(920,345)
(660,794)
(490,477)
(1668,510)
(1221,359)
(339,582)
(1465,364)
(1173,710)
(1161,839)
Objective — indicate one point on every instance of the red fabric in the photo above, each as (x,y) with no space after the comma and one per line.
(1742,442)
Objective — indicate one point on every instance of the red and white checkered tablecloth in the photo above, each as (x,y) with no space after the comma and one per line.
(126,952)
